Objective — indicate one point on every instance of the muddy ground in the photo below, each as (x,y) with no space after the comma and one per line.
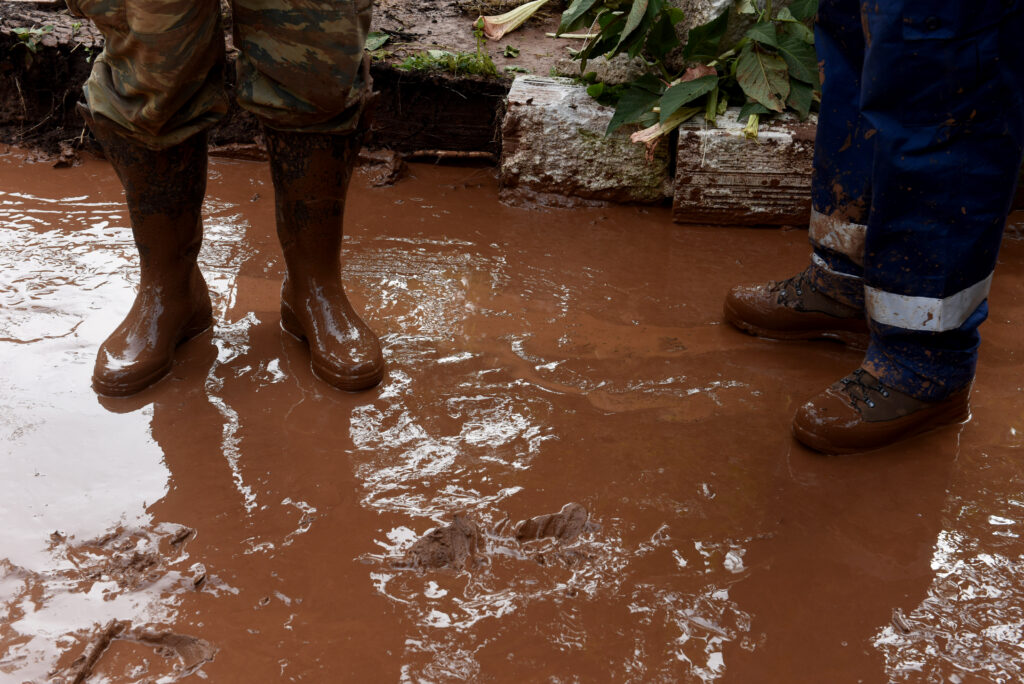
(242,521)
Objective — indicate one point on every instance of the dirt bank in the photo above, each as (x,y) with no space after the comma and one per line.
(51,52)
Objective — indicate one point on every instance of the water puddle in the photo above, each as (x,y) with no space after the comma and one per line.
(571,472)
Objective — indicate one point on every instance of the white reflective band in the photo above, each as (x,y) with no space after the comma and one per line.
(820,263)
(838,235)
(925,313)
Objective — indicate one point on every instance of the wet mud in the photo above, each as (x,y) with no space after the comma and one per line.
(240,520)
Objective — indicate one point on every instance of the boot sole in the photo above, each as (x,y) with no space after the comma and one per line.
(954,415)
(118,390)
(852,339)
(349,383)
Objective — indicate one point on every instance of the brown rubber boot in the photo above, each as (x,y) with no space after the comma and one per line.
(164,191)
(794,309)
(311,173)
(859,413)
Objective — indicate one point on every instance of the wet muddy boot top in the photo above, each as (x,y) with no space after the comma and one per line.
(794,309)
(859,413)
(311,173)
(164,192)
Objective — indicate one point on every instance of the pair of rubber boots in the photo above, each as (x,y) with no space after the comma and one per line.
(858,413)
(164,190)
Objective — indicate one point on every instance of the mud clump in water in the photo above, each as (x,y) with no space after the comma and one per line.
(450,546)
(131,558)
(564,526)
(188,653)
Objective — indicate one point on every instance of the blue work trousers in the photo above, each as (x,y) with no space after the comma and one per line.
(916,162)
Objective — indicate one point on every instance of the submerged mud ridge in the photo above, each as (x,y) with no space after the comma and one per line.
(461,544)
(238,520)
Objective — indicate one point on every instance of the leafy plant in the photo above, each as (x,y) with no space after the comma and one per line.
(478,62)
(771,68)
(375,40)
(30,38)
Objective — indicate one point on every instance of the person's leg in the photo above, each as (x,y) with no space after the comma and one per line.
(152,93)
(302,71)
(943,85)
(826,300)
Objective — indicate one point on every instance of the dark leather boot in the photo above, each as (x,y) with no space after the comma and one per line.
(311,173)
(164,192)
(859,413)
(794,309)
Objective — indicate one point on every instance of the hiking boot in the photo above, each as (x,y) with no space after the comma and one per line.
(859,413)
(164,192)
(311,173)
(795,309)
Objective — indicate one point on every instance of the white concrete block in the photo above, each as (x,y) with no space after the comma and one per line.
(724,178)
(554,150)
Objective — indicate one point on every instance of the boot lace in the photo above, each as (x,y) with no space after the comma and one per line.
(857,388)
(790,291)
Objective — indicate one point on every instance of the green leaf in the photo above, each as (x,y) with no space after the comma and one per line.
(785,15)
(800,57)
(605,42)
(662,39)
(751,108)
(702,41)
(685,93)
(375,40)
(764,33)
(636,15)
(650,83)
(647,120)
(746,7)
(510,51)
(573,14)
(800,31)
(803,10)
(634,104)
(764,77)
(800,97)
(595,90)
(675,15)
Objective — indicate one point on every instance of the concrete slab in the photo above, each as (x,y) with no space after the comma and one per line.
(555,151)
(722,177)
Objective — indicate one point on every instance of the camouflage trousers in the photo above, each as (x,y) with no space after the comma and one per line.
(300,64)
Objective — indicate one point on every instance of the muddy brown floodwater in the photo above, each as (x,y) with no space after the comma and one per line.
(241,521)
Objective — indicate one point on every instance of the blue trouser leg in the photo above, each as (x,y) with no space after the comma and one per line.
(841,184)
(943,85)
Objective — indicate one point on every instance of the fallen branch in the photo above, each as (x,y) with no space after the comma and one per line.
(450,154)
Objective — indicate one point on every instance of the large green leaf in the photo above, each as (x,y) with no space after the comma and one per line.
(800,57)
(376,40)
(702,41)
(764,33)
(764,77)
(800,97)
(751,108)
(610,25)
(573,14)
(803,10)
(634,104)
(662,39)
(685,93)
(636,15)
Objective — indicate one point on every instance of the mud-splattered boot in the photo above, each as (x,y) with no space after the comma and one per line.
(794,309)
(311,173)
(164,191)
(859,413)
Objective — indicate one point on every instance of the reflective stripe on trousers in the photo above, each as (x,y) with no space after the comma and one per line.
(918,150)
